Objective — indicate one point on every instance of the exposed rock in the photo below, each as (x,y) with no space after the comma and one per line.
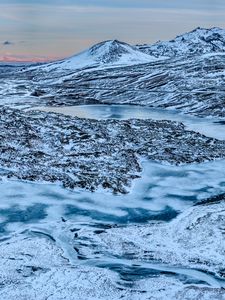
(38,93)
(83,153)
(212,200)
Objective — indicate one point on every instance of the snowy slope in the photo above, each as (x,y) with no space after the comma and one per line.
(106,53)
(198,41)
(194,85)
(191,80)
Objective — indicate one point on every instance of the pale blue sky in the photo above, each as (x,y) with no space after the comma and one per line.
(59,28)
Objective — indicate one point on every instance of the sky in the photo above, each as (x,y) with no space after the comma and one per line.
(51,29)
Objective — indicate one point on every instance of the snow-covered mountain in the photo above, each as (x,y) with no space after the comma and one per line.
(116,235)
(198,41)
(191,79)
(115,53)
(106,53)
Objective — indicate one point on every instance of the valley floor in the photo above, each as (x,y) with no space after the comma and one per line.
(84,242)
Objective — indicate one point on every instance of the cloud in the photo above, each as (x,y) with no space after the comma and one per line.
(185,4)
(7,43)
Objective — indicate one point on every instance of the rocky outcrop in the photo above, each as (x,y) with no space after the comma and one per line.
(83,153)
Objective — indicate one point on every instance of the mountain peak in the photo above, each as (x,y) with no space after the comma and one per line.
(196,42)
(197,29)
(107,53)
(110,51)
(200,31)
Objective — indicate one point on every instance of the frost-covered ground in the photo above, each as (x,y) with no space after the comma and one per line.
(35,268)
(60,244)
(160,235)
(91,154)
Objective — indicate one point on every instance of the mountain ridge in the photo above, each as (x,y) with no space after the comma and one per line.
(116,53)
(189,81)
(196,42)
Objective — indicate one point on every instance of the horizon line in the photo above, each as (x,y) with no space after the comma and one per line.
(28,58)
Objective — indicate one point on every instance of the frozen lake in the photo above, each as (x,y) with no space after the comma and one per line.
(209,127)
(161,194)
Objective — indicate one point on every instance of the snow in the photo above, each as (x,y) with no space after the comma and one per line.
(35,268)
(207,127)
(198,41)
(159,188)
(152,243)
(40,258)
(109,53)
(194,240)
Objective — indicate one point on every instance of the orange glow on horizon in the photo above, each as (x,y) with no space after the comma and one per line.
(27,58)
